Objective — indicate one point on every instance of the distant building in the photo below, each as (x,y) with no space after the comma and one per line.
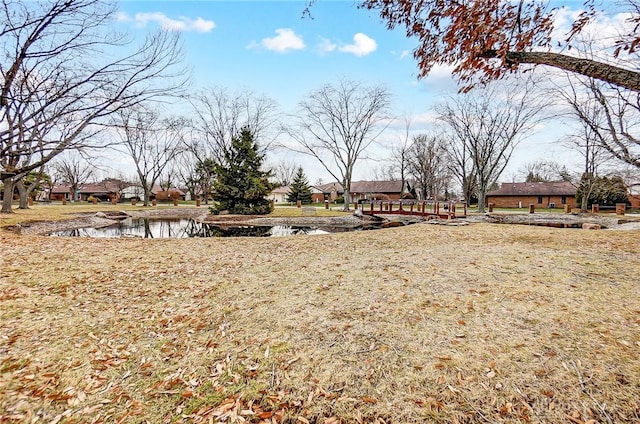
(61,192)
(106,190)
(360,190)
(554,194)
(280,194)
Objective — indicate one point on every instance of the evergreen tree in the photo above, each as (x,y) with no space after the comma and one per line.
(241,187)
(602,191)
(300,189)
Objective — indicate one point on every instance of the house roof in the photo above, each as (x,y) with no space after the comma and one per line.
(157,190)
(326,188)
(281,190)
(554,188)
(365,187)
(103,187)
(376,187)
(61,188)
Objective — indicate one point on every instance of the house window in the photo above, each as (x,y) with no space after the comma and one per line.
(539,200)
(564,200)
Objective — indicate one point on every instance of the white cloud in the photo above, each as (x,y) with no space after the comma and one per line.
(286,40)
(362,45)
(181,24)
(202,25)
(441,71)
(401,54)
(326,46)
(122,17)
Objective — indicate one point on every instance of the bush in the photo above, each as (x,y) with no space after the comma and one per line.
(339,200)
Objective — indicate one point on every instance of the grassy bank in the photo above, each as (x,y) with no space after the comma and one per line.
(483,323)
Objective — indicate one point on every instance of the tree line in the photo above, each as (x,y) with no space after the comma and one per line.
(71,87)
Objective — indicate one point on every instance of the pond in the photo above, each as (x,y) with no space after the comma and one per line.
(185,228)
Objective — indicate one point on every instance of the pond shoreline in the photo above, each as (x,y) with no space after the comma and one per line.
(104,219)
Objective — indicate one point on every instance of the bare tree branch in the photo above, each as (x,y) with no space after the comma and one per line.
(487,126)
(61,79)
(337,123)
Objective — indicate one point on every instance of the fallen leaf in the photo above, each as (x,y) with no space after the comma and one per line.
(368,399)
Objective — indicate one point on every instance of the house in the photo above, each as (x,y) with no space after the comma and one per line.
(135,191)
(106,191)
(280,194)
(328,192)
(389,190)
(164,195)
(555,194)
(362,190)
(61,192)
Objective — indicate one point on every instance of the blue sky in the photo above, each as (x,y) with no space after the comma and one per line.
(269,48)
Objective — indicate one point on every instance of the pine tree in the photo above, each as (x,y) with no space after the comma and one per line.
(241,187)
(300,189)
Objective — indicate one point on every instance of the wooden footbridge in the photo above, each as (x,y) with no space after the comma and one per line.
(428,209)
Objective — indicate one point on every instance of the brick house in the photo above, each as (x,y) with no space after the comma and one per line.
(60,192)
(555,194)
(106,191)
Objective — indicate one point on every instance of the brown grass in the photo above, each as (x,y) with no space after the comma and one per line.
(484,323)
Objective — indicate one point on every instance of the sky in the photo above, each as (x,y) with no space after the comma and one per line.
(268,47)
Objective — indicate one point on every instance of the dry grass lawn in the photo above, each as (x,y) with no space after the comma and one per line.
(483,323)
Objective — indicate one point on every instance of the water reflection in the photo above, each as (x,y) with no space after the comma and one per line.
(184,228)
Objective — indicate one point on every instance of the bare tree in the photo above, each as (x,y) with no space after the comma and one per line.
(428,165)
(384,173)
(462,167)
(31,182)
(151,142)
(220,114)
(72,169)
(543,171)
(400,152)
(61,80)
(488,125)
(631,177)
(337,123)
(284,172)
(610,117)
(184,166)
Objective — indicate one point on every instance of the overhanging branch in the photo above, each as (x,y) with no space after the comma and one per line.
(603,71)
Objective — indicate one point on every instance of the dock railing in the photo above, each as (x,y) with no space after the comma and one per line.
(429,208)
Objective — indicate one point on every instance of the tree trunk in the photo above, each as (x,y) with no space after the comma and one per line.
(24,195)
(7,201)
(346,186)
(587,67)
(147,196)
(481,200)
